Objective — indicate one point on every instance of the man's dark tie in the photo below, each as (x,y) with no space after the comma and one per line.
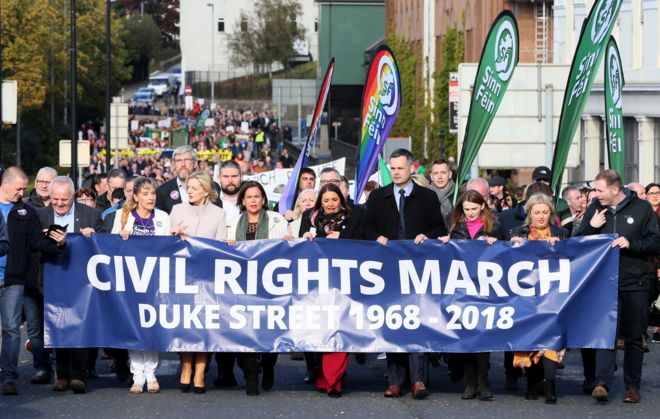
(402,222)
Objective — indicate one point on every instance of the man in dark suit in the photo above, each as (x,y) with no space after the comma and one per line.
(174,191)
(77,218)
(404,210)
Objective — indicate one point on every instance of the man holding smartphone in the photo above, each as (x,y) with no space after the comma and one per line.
(65,214)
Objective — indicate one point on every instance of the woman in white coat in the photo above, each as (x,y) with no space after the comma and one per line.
(140,217)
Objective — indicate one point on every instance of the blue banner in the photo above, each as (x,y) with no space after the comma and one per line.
(164,294)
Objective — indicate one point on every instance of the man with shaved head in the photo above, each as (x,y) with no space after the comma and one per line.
(26,237)
(638,188)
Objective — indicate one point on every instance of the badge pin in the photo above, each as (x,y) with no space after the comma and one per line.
(159,223)
(22,211)
(174,194)
(630,220)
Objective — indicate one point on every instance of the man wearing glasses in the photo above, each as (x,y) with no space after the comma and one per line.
(39,196)
(174,191)
(116,180)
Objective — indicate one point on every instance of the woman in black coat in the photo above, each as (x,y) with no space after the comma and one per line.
(331,218)
(539,365)
(472,220)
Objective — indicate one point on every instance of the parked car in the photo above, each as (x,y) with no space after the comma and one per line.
(146,95)
(175,70)
(162,83)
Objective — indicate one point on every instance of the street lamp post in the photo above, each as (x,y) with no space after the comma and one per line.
(212,6)
(74,98)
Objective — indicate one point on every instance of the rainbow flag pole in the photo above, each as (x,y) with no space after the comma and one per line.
(290,193)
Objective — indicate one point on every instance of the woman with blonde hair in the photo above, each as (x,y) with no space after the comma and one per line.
(539,365)
(199,217)
(140,217)
(305,201)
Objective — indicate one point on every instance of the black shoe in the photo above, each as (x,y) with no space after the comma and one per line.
(310,377)
(334,394)
(77,386)
(225,381)
(656,337)
(199,390)
(252,388)
(588,385)
(9,389)
(185,388)
(483,390)
(268,378)
(532,390)
(549,391)
(41,377)
(470,392)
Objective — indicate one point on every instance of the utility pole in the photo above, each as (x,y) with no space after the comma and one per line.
(107,84)
(74,98)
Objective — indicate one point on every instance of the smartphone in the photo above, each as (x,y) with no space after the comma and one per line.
(56,227)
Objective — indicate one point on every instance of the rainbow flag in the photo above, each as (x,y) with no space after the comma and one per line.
(380,106)
(290,193)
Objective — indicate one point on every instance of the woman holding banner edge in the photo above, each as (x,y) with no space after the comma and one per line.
(474,222)
(199,217)
(331,218)
(539,365)
(140,217)
(255,222)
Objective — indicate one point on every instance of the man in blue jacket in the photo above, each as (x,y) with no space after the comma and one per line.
(25,236)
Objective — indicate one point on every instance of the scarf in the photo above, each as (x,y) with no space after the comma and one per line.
(327,223)
(536,234)
(262,226)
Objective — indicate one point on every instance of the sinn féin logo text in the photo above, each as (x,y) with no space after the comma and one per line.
(605,15)
(388,85)
(505,52)
(614,79)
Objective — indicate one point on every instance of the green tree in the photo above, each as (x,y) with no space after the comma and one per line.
(36,53)
(414,115)
(269,35)
(143,44)
(91,56)
(25,36)
(453,47)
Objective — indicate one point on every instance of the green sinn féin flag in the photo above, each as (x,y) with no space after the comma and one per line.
(590,50)
(614,82)
(498,60)
(385,175)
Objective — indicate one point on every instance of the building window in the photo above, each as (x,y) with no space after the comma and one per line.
(221,24)
(244,24)
(316,25)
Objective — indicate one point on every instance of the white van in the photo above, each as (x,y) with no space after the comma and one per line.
(162,83)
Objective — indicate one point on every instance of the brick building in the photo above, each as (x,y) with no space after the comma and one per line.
(425,22)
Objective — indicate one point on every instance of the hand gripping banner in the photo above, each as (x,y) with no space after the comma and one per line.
(164,294)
